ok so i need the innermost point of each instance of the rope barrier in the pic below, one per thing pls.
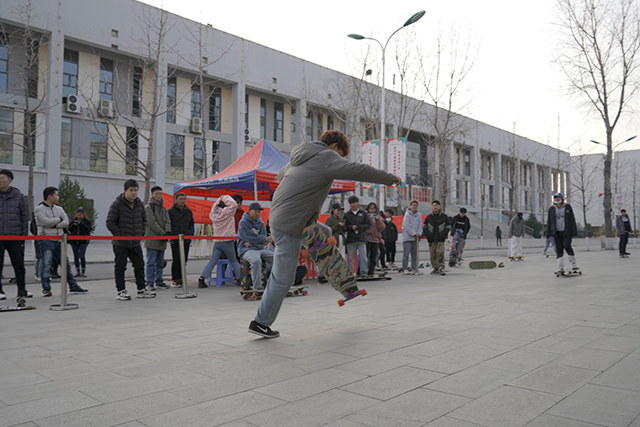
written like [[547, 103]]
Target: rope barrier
[[74, 237]]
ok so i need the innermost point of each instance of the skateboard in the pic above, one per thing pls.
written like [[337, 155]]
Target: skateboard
[[381, 276], [256, 294], [624, 256], [516, 258], [568, 273], [22, 305], [481, 265], [323, 251]]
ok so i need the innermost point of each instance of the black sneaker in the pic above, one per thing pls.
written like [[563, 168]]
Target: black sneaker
[[201, 283], [162, 285], [77, 290], [263, 331], [441, 271], [46, 292]]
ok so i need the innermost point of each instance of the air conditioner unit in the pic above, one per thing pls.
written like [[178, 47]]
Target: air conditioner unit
[[196, 125], [105, 108], [72, 105]]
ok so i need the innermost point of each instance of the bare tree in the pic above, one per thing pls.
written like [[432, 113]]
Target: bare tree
[[26, 55], [583, 181], [444, 75], [598, 54]]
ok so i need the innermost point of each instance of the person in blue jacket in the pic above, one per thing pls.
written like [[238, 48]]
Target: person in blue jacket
[[252, 240]]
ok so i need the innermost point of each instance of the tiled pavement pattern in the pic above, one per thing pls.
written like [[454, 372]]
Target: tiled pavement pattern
[[506, 347]]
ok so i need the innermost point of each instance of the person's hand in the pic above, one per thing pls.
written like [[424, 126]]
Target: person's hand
[[417, 235], [341, 224], [247, 244], [269, 239], [398, 181], [354, 227]]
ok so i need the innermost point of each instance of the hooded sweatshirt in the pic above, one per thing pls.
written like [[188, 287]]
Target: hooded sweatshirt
[[223, 218], [411, 225], [250, 231], [305, 183]]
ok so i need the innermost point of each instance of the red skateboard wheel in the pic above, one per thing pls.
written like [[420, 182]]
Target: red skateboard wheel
[[363, 292], [332, 241], [305, 293], [340, 302]]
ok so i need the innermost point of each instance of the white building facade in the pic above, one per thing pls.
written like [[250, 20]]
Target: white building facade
[[100, 92]]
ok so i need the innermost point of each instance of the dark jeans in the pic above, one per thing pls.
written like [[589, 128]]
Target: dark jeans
[[372, 250], [16, 254], [79, 250], [563, 243], [622, 246], [383, 253], [176, 269], [51, 251], [135, 255], [390, 248], [498, 241]]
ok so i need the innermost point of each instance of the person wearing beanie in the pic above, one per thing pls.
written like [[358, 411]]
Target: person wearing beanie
[[561, 223]]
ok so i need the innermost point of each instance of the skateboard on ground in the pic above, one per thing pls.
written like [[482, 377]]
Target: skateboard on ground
[[568, 273], [379, 276], [324, 252], [22, 305], [481, 265], [516, 258], [256, 294]]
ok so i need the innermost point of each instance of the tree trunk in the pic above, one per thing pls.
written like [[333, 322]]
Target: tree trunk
[[608, 226]]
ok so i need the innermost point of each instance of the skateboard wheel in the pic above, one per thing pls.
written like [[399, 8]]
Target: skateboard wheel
[[254, 297], [245, 297], [332, 241], [341, 302], [363, 292], [305, 253], [305, 293]]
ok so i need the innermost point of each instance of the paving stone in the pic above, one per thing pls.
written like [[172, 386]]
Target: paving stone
[[474, 381], [520, 360], [556, 379], [546, 420], [392, 383], [590, 358], [459, 358], [450, 422], [624, 374]]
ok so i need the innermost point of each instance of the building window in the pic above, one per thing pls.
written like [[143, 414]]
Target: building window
[[278, 125], [4, 60], [215, 146], [293, 125], [32, 59], [246, 111], [196, 98], [329, 122], [6, 136], [171, 100], [132, 151], [106, 79], [137, 92], [263, 118], [215, 109], [65, 144], [467, 162], [98, 151], [492, 200], [198, 157], [309, 127], [70, 73], [29, 138], [177, 151]]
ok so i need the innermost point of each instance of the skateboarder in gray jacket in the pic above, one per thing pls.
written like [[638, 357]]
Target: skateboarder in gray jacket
[[297, 202]]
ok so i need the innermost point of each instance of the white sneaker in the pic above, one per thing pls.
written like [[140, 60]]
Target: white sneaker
[[146, 294], [2, 296], [123, 295]]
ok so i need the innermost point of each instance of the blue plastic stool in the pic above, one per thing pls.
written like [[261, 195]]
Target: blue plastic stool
[[224, 273]]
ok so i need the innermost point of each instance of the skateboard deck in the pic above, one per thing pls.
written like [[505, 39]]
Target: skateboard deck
[[478, 265], [516, 258], [568, 273], [256, 294], [22, 305], [323, 251], [381, 276]]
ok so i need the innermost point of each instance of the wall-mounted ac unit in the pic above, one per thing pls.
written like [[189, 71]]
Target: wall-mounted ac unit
[[196, 125], [105, 108], [72, 105]]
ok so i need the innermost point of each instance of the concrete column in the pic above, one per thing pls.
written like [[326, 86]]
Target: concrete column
[[239, 92], [160, 149], [53, 104]]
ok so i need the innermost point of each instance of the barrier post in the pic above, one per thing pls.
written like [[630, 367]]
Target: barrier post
[[63, 279], [183, 269]]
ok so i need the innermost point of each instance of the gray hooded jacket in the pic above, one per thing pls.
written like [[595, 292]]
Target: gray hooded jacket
[[305, 183]]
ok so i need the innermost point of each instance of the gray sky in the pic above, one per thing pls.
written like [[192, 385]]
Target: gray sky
[[516, 83]]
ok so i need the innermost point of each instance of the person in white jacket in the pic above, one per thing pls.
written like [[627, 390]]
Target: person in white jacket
[[411, 231], [222, 217], [52, 220]]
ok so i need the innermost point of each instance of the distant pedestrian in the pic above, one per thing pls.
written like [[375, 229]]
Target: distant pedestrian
[[390, 238], [158, 224], [411, 232], [549, 240], [80, 226], [373, 237], [498, 236], [181, 223], [561, 222], [127, 217], [436, 230], [516, 233], [623, 226], [460, 227], [52, 220], [14, 212], [357, 223]]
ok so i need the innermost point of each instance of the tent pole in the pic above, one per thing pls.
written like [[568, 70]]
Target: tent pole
[[255, 189]]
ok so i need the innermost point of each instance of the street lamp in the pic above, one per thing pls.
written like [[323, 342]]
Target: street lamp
[[617, 145], [412, 20]]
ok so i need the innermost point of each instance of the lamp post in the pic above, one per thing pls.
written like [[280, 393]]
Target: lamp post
[[607, 189], [413, 19]]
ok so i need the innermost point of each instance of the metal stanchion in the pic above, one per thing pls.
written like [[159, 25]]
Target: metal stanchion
[[63, 279], [183, 268]]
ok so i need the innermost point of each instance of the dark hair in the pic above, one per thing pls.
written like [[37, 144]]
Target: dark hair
[[389, 210], [463, 210], [353, 199], [372, 204], [179, 195], [130, 183], [623, 210], [7, 172], [336, 137], [80, 209], [437, 202], [156, 188], [49, 191], [414, 201], [238, 198]]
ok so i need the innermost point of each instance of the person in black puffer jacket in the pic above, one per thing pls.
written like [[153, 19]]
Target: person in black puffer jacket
[[127, 217], [181, 223], [80, 226], [436, 230]]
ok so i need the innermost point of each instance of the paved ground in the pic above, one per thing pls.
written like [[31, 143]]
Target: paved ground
[[506, 347]]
